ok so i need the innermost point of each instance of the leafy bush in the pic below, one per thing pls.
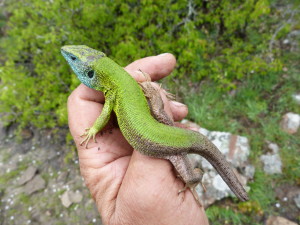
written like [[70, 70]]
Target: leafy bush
[[219, 40]]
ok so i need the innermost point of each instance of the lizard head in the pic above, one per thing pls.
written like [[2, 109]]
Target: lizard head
[[81, 58]]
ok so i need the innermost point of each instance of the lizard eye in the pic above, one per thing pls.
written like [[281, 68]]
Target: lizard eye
[[91, 73], [73, 58]]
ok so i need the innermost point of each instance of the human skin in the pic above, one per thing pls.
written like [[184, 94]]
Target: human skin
[[128, 187]]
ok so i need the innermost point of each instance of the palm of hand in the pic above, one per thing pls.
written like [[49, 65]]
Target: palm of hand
[[130, 188]]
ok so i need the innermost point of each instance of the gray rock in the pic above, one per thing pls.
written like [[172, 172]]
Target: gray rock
[[278, 220], [297, 200], [296, 98], [219, 184], [27, 175], [70, 197], [216, 188], [36, 184], [286, 41], [65, 199], [76, 196], [273, 147], [236, 150], [290, 122], [293, 37], [272, 163], [249, 171]]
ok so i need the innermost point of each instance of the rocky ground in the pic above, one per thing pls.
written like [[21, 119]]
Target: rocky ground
[[38, 185], [41, 184]]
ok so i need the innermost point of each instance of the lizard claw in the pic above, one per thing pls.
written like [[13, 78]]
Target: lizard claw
[[203, 186], [146, 75], [194, 192], [89, 133], [183, 189]]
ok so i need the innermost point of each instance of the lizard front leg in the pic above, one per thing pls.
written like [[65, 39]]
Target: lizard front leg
[[191, 176], [101, 121]]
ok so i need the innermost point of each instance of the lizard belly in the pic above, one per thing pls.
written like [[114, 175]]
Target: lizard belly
[[147, 135]]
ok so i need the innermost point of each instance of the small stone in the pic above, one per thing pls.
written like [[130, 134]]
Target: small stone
[[273, 147], [36, 184], [290, 122], [75, 197], [297, 200], [27, 175], [272, 163], [286, 41], [70, 197], [65, 200], [249, 171], [278, 220], [296, 98]]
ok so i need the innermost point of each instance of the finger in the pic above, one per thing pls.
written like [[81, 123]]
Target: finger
[[150, 183], [152, 176], [176, 110], [179, 110], [83, 109], [156, 66], [87, 94]]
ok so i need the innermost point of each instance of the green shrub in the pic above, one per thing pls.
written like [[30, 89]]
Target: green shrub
[[219, 40]]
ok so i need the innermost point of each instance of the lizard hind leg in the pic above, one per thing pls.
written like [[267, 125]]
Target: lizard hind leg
[[190, 176]]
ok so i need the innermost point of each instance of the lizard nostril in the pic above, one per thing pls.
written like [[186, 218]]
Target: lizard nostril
[[73, 58]]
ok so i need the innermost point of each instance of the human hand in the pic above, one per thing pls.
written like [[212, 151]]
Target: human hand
[[128, 187]]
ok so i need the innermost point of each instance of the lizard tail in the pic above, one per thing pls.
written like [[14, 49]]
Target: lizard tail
[[212, 154]]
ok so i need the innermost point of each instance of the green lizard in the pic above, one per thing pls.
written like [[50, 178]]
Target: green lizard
[[146, 134]]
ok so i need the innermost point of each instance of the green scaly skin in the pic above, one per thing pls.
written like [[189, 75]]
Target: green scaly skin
[[125, 97]]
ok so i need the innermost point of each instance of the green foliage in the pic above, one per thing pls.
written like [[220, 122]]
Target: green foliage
[[225, 216], [220, 40]]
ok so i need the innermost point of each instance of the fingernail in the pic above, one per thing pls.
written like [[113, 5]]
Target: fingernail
[[138, 72], [178, 104], [163, 54]]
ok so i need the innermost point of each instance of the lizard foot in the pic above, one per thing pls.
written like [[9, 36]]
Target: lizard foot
[[146, 75], [89, 133], [192, 187]]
